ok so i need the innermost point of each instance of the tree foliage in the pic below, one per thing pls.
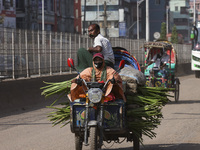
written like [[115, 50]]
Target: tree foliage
[[163, 31], [174, 38]]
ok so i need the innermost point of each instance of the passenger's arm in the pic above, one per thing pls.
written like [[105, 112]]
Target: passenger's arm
[[96, 49], [164, 64], [165, 61], [152, 61], [148, 64]]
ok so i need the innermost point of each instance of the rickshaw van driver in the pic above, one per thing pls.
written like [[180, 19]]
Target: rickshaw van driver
[[98, 73], [101, 45], [160, 60]]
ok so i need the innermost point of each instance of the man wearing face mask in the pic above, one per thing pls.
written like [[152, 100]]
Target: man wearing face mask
[[101, 45], [98, 73]]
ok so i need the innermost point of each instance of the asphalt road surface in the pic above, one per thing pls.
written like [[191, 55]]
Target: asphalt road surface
[[179, 130]]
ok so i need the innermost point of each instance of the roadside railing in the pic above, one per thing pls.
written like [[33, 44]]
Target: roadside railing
[[25, 53]]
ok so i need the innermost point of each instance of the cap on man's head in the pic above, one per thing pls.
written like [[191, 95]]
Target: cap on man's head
[[98, 55]]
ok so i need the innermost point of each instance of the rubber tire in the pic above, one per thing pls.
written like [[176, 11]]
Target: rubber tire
[[197, 74], [177, 90], [78, 142], [93, 138], [136, 143]]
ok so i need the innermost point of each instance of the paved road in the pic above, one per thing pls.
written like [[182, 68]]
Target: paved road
[[179, 130]]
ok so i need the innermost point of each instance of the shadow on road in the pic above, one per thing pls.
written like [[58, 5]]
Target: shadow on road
[[184, 102], [182, 146]]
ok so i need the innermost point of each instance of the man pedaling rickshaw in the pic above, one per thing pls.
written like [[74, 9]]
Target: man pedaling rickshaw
[[160, 60], [98, 73]]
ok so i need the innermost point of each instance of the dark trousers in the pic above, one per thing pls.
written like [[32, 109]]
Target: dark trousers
[[85, 60]]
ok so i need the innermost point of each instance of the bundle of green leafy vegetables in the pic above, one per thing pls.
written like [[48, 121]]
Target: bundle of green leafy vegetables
[[143, 108]]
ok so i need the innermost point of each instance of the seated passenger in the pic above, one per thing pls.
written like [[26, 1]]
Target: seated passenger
[[101, 45], [98, 73], [160, 60]]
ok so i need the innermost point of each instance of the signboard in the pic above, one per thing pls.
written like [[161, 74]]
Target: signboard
[[122, 29], [10, 22], [7, 13]]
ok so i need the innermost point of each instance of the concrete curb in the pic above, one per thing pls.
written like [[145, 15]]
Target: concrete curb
[[22, 93]]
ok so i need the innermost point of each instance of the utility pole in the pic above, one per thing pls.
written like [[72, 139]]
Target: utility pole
[[36, 11], [147, 20], [42, 15], [194, 16], [43, 25], [28, 15], [84, 17], [97, 1], [138, 21], [167, 19], [105, 18]]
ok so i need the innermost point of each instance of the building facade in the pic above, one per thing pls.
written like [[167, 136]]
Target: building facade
[[197, 10], [113, 16], [157, 15], [118, 18], [58, 15], [180, 16]]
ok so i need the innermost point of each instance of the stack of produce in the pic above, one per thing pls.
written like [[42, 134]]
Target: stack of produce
[[144, 110], [143, 107]]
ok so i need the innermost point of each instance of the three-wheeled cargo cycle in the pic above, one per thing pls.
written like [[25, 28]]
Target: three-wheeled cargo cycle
[[94, 120]]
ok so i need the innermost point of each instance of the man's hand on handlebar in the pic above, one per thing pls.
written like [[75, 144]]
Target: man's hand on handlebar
[[77, 81], [113, 80]]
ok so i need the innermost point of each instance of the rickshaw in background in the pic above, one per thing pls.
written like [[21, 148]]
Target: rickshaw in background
[[156, 78]]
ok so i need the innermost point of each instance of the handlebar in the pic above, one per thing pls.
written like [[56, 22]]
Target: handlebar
[[96, 84]]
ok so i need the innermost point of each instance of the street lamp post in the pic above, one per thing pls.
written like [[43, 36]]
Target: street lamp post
[[138, 31], [42, 15], [97, 11], [194, 12], [147, 20], [167, 19], [84, 32], [43, 25]]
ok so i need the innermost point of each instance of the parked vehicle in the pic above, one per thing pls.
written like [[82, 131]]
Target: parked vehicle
[[195, 54], [154, 79]]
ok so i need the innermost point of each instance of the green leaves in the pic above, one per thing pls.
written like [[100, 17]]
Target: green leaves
[[144, 118], [174, 37], [163, 31], [60, 116], [56, 88], [60, 89]]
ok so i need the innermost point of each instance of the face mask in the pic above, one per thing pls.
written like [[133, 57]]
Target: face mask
[[98, 65]]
